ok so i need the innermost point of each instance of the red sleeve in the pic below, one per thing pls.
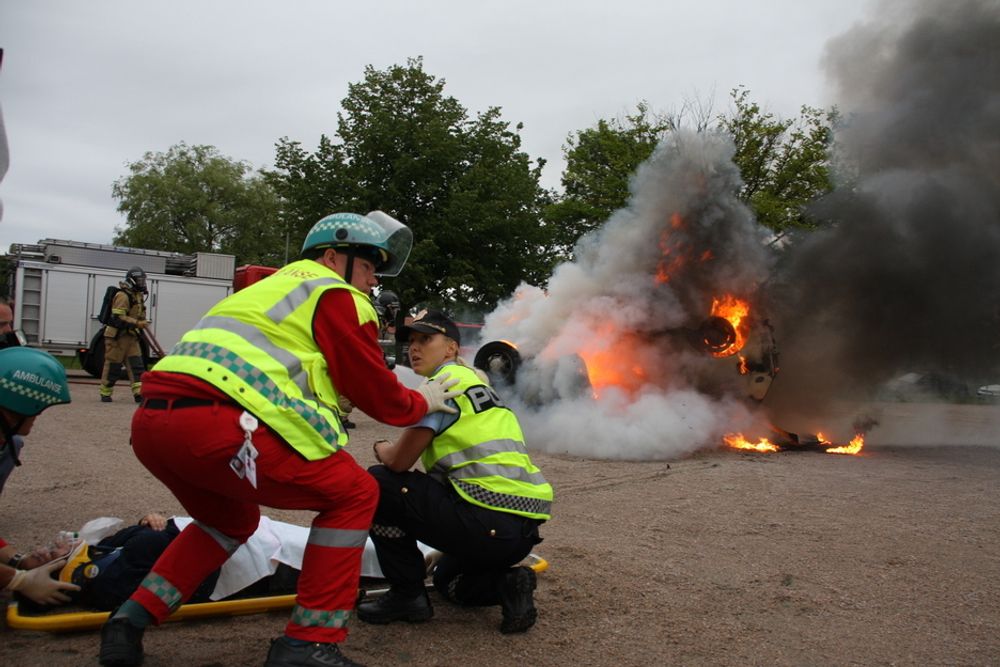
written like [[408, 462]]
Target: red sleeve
[[357, 366], [2, 543]]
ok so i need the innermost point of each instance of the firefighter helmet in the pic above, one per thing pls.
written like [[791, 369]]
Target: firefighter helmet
[[387, 303], [135, 279], [31, 380], [388, 240]]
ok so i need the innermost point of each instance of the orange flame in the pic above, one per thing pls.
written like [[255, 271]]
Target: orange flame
[[853, 447], [673, 258], [611, 362], [735, 311], [743, 368], [737, 441]]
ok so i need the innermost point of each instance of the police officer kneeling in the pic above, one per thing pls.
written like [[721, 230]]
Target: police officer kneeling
[[480, 501]]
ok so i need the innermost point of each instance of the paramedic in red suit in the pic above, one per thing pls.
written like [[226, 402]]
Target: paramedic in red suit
[[243, 412]]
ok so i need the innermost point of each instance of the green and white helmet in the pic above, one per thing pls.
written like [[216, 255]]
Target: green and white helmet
[[31, 380], [389, 240]]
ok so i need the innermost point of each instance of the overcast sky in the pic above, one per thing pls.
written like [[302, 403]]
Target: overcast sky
[[87, 87]]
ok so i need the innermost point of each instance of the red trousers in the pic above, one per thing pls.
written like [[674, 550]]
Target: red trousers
[[189, 449]]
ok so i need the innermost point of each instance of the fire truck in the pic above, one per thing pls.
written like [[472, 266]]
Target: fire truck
[[57, 288]]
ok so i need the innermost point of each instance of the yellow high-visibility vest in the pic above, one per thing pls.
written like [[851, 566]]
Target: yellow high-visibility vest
[[482, 454], [257, 347]]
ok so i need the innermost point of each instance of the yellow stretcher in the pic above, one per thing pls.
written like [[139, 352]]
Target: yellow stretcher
[[72, 621]]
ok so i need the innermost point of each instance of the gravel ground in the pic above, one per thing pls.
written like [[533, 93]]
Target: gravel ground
[[722, 558]]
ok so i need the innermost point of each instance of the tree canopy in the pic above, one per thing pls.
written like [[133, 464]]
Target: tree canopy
[[462, 184], [785, 164], [599, 162], [193, 199]]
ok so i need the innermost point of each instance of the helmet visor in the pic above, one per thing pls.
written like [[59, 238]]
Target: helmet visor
[[398, 242]]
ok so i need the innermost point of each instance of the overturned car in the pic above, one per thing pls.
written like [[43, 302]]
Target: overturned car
[[728, 352]]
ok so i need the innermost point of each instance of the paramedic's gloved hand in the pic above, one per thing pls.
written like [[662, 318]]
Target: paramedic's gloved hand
[[39, 585], [435, 392]]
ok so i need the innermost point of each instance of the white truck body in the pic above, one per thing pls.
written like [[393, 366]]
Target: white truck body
[[56, 305]]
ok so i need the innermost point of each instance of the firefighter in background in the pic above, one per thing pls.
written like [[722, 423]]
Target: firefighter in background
[[243, 412], [387, 305], [480, 501], [30, 382], [121, 335]]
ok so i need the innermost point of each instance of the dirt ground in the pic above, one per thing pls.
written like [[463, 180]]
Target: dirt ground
[[888, 558]]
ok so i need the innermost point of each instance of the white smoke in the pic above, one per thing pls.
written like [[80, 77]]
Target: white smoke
[[654, 425], [610, 291]]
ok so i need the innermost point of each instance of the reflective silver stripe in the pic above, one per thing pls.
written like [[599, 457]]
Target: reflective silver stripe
[[299, 296], [255, 337], [504, 500], [448, 465], [477, 452], [337, 537], [260, 383], [513, 472], [228, 544]]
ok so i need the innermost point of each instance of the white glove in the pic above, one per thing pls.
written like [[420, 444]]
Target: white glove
[[435, 392], [39, 585]]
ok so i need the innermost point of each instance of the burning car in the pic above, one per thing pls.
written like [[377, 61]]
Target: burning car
[[740, 350]]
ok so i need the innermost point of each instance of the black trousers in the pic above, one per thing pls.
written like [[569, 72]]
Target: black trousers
[[479, 544]]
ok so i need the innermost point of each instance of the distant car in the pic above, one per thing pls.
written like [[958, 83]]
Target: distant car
[[917, 386]]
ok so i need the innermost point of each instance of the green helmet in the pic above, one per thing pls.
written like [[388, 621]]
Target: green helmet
[[31, 380], [388, 239]]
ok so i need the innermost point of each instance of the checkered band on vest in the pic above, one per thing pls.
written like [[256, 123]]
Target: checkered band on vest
[[258, 381], [503, 500], [319, 618], [392, 532], [162, 589], [33, 394]]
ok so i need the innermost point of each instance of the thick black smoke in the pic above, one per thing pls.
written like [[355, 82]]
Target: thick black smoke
[[906, 276]]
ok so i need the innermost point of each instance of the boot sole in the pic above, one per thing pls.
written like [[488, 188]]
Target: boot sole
[[522, 619], [519, 624]]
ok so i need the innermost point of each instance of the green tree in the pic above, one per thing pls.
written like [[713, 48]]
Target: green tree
[[192, 199], [785, 163], [599, 162], [463, 184]]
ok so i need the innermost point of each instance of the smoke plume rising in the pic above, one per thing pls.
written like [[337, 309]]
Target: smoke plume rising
[[685, 224], [906, 276]]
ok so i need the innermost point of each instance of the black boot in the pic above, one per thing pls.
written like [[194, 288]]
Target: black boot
[[396, 606], [517, 600], [121, 644], [283, 654]]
